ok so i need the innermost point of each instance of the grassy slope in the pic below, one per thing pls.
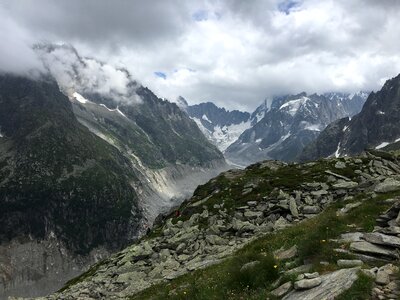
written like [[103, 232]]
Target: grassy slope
[[225, 281]]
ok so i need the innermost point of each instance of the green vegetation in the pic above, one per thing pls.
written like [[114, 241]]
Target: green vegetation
[[360, 290], [313, 239]]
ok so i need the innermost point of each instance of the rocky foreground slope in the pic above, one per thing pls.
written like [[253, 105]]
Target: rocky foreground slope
[[299, 231]]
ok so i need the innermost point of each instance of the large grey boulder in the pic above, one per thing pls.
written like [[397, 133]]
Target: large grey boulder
[[307, 283], [345, 185], [382, 239], [293, 207], [309, 209], [349, 263], [282, 290], [368, 248], [389, 185], [332, 285], [286, 254]]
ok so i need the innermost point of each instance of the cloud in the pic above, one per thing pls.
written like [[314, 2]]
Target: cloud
[[160, 74], [233, 52], [75, 73], [16, 54]]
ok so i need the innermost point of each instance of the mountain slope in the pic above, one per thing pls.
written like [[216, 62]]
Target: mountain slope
[[220, 126], [86, 164], [291, 123], [377, 125], [66, 196], [51, 165]]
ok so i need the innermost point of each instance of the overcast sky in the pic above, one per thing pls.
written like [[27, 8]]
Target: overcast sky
[[234, 53]]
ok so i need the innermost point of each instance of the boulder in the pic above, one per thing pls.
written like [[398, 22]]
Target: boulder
[[340, 165], [389, 185], [345, 185], [252, 214], [305, 284], [213, 239], [382, 239], [311, 275], [293, 207], [311, 209], [382, 277], [349, 263], [282, 290], [249, 265], [286, 254], [368, 248], [347, 208], [351, 237], [319, 193], [280, 223], [332, 285]]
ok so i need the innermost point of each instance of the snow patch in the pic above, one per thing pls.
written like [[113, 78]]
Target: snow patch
[[293, 106], [337, 154], [345, 128], [258, 140], [286, 136], [380, 146], [379, 112], [313, 127], [80, 98], [204, 117], [114, 110], [224, 136]]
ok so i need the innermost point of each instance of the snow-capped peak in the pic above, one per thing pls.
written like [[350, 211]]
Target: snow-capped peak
[[292, 106]]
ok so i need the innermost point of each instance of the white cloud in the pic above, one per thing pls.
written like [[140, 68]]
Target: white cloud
[[235, 53]]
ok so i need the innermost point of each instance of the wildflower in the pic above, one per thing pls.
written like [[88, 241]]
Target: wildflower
[[323, 241], [275, 266]]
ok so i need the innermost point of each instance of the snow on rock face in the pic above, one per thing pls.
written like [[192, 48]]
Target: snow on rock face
[[112, 110], [79, 98], [382, 145], [224, 136], [222, 127], [292, 106], [313, 127], [204, 117]]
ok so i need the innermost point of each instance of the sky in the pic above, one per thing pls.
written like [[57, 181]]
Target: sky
[[234, 53]]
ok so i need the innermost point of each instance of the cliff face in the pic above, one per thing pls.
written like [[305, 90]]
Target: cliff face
[[56, 176]]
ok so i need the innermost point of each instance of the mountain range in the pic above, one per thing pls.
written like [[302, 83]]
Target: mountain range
[[278, 131], [376, 126]]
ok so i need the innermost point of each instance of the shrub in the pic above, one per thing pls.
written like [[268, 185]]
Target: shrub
[[260, 275]]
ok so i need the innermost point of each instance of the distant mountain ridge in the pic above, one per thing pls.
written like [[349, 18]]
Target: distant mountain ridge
[[376, 126], [220, 126], [291, 123]]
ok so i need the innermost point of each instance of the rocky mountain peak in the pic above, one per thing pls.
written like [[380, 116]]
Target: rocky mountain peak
[[291, 123], [376, 126]]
